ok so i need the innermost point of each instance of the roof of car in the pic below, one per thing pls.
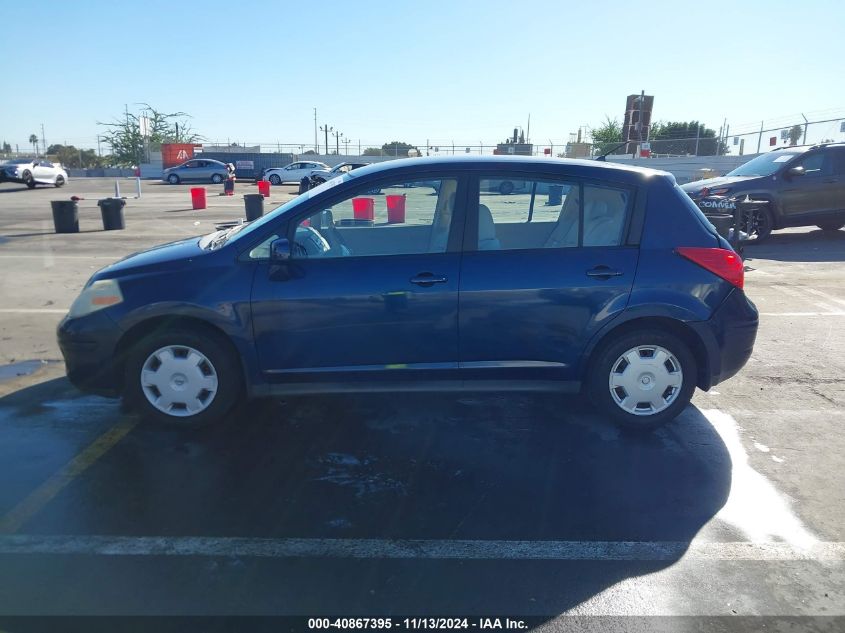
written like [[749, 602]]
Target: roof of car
[[512, 163]]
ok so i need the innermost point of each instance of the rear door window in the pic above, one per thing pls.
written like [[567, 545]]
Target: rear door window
[[550, 213]]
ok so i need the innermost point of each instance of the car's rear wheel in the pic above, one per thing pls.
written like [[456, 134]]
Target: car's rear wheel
[[642, 379], [275, 179], [182, 377], [173, 179], [831, 225], [758, 224], [216, 179], [60, 181]]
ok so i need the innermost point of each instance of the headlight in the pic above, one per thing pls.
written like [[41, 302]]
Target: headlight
[[100, 294]]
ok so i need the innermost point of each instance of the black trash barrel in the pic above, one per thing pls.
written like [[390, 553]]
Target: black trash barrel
[[112, 211], [254, 204], [555, 195], [65, 216], [304, 184]]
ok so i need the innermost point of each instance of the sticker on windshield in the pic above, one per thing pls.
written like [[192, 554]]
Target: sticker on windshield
[[783, 159]]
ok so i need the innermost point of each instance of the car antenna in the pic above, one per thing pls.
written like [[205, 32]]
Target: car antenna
[[603, 157]]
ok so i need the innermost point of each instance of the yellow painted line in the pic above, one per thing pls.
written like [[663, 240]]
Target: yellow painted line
[[41, 496]]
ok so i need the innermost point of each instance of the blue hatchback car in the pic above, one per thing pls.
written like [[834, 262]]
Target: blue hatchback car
[[592, 276]]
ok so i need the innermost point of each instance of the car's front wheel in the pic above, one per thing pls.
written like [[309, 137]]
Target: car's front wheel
[[275, 179], [182, 377], [173, 179], [60, 181], [28, 180], [758, 223], [642, 379]]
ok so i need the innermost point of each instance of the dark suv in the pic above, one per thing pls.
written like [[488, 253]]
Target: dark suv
[[593, 276], [798, 186]]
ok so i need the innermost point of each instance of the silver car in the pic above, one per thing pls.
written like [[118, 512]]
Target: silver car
[[33, 171], [196, 169], [293, 172]]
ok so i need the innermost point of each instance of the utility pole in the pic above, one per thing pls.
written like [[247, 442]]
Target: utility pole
[[337, 134], [326, 129], [43, 140], [316, 149], [806, 123], [697, 135], [727, 134], [760, 136]]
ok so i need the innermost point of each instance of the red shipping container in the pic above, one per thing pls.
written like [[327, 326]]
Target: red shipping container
[[173, 154]]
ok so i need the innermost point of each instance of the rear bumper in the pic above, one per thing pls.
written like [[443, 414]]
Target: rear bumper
[[88, 346], [728, 337]]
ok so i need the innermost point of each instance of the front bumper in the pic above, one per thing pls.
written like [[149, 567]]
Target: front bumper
[[88, 345]]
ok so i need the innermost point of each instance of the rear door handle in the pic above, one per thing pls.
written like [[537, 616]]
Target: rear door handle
[[604, 272], [428, 279]]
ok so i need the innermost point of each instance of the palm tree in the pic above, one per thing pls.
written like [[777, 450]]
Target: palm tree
[[34, 140]]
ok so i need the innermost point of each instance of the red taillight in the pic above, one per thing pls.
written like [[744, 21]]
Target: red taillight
[[719, 261]]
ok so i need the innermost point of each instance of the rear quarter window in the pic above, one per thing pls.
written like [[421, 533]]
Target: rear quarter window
[[687, 202]]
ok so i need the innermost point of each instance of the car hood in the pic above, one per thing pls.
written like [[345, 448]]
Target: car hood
[[171, 256], [712, 183]]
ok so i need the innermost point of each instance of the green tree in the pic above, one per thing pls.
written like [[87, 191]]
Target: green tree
[[33, 139], [607, 136], [373, 151], [396, 148], [795, 133], [7, 149], [129, 147], [679, 138], [70, 156]]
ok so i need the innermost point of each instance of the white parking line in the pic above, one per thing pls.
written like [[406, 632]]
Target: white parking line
[[803, 314], [419, 549], [33, 310]]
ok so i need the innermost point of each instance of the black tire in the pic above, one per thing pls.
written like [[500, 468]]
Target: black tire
[[60, 181], [275, 179], [603, 361], [210, 344], [506, 188], [173, 179], [216, 179], [830, 225], [28, 180], [317, 181], [761, 225]]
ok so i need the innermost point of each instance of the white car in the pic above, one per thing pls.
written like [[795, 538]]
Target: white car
[[33, 171], [293, 172]]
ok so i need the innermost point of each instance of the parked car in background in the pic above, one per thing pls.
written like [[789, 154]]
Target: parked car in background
[[797, 186], [32, 172], [293, 172], [196, 170], [319, 176], [618, 287]]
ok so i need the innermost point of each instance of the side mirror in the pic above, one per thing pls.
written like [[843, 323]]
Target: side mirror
[[280, 250], [795, 171]]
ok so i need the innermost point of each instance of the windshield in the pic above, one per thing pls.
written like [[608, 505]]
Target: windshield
[[764, 165], [20, 161], [274, 215]]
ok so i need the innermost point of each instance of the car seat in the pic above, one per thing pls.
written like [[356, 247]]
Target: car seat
[[487, 240]]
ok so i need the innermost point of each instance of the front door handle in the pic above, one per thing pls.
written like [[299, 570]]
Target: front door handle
[[428, 279], [604, 272]]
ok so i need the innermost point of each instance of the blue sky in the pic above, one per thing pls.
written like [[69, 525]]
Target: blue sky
[[439, 70]]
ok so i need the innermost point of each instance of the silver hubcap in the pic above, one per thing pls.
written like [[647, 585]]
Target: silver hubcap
[[645, 380], [179, 380]]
